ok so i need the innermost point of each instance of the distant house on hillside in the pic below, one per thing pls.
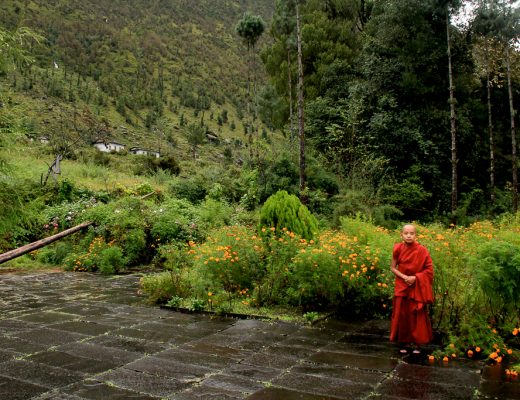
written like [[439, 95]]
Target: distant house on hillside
[[107, 147], [144, 152]]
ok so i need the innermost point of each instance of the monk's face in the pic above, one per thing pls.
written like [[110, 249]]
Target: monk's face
[[408, 234]]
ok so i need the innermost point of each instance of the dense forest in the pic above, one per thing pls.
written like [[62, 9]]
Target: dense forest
[[406, 104], [395, 110]]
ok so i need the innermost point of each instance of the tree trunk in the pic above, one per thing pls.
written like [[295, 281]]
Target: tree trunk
[[454, 161], [490, 130], [249, 119], [513, 132], [301, 132], [289, 84], [41, 243]]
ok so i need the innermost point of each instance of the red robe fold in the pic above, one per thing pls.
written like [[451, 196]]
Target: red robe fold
[[410, 321]]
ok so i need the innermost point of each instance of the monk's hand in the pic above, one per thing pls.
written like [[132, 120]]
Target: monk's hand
[[410, 280]]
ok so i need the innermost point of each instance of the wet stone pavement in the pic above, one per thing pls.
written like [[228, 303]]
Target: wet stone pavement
[[82, 336]]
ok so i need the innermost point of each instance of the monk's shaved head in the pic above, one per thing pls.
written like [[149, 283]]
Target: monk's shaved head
[[407, 227]]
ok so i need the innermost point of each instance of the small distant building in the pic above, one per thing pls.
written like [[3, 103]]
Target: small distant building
[[144, 152], [108, 147]]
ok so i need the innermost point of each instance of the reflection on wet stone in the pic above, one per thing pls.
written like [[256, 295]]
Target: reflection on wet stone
[[71, 336]]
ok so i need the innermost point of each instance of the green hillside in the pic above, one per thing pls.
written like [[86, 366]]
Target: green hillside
[[135, 72]]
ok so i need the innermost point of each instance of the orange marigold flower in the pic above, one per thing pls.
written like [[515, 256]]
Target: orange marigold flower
[[477, 349], [498, 360], [470, 353], [493, 355], [445, 359], [509, 351], [431, 358], [515, 331]]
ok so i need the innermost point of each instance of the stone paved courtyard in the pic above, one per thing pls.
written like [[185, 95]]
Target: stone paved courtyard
[[82, 336]]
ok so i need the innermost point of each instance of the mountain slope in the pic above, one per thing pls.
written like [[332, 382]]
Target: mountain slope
[[127, 69]]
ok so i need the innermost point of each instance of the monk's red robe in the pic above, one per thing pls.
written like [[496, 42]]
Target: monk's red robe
[[410, 320]]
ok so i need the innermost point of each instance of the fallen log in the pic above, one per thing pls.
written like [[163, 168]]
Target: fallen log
[[20, 251]]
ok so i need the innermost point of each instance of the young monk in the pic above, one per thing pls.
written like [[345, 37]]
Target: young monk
[[413, 269]]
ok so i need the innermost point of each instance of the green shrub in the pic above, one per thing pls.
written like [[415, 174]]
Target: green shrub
[[174, 221], [213, 214], [159, 288], [175, 302], [192, 189], [314, 281], [231, 259], [197, 305], [283, 210], [151, 165], [276, 285], [124, 222], [497, 269], [54, 254], [111, 260]]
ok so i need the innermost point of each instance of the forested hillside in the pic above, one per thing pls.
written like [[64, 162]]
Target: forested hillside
[[133, 66]]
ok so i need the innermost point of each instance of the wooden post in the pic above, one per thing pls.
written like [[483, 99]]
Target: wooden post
[[41, 243]]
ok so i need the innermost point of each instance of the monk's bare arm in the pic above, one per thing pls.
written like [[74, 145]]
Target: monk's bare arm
[[410, 280]]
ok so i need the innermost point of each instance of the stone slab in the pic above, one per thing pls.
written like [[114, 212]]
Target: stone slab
[[84, 327], [231, 383], [216, 350], [97, 352], [289, 351], [425, 390], [275, 393], [94, 390], [142, 382], [49, 337], [258, 373], [340, 372], [207, 393], [57, 395], [365, 338], [7, 355], [194, 358], [318, 333], [380, 350], [48, 317], [72, 362], [129, 344], [354, 361], [11, 326], [14, 389], [326, 386], [162, 336], [450, 376], [501, 390], [170, 369], [39, 374], [267, 360], [18, 345]]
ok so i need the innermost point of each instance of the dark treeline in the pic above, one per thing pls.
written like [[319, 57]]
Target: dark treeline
[[378, 100]]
